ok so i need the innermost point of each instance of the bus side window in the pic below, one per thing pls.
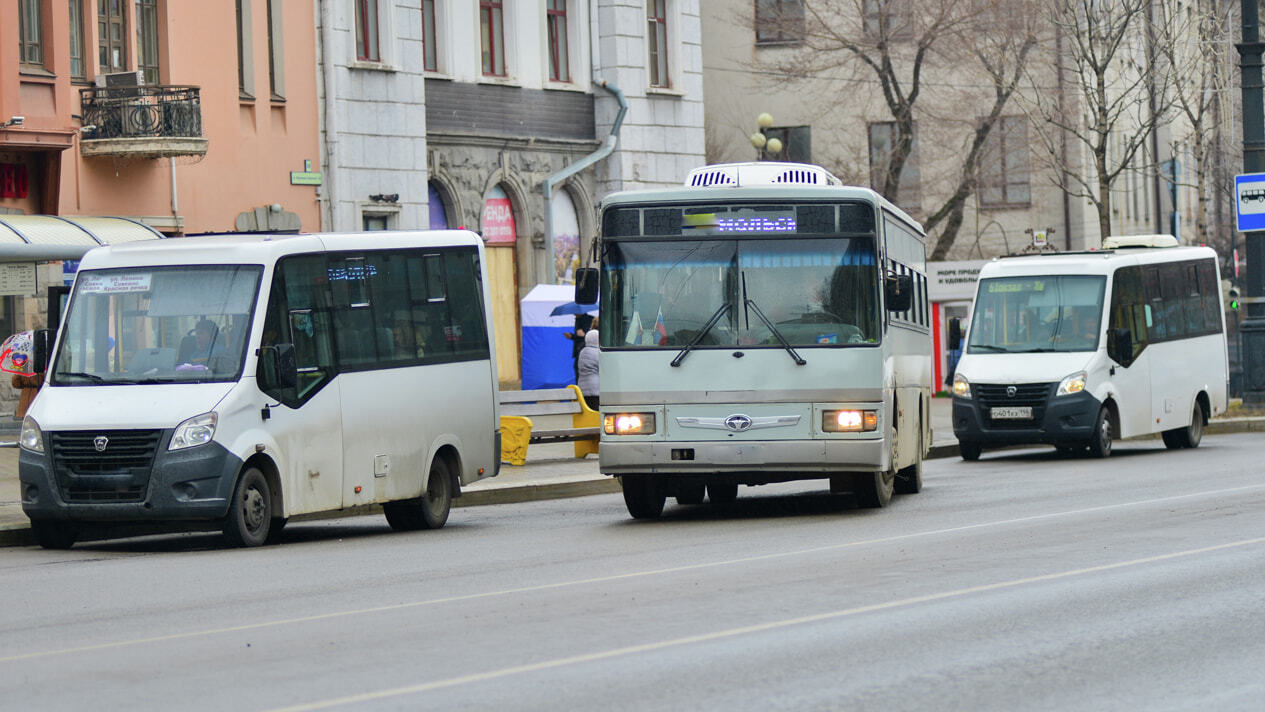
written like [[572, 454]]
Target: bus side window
[[1128, 314]]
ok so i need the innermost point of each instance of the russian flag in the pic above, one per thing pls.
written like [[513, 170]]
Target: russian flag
[[661, 329]]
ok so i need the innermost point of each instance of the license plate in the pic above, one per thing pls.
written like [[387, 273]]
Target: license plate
[[1016, 413]]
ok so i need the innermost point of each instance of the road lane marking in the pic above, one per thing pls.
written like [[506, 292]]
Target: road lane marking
[[745, 630], [609, 578]]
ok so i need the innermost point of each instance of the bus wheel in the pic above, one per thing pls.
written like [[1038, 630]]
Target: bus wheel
[[722, 492], [1188, 436], [909, 479], [250, 512], [430, 511], [874, 489], [691, 493], [1100, 443], [53, 535], [970, 451], [643, 495]]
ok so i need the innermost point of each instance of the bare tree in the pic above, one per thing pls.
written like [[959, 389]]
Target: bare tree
[[1120, 86], [1002, 54], [1191, 39]]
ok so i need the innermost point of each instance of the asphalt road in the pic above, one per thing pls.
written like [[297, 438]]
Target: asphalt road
[[1021, 582]]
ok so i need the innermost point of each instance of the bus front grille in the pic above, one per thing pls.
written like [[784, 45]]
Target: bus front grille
[[103, 465], [1033, 395]]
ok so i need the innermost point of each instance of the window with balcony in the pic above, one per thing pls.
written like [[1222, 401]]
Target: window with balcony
[[111, 36], [657, 42], [779, 21], [492, 32], [430, 44], [1004, 176], [78, 63], [147, 40], [31, 33], [559, 69], [367, 31]]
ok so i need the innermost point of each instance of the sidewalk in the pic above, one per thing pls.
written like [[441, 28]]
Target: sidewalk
[[551, 471]]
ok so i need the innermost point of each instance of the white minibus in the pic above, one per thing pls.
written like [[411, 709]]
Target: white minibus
[[240, 381], [764, 323], [1075, 349]]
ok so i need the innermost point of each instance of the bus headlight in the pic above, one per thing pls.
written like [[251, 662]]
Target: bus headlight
[[849, 421], [1074, 383], [628, 423], [195, 431], [961, 386], [31, 438]]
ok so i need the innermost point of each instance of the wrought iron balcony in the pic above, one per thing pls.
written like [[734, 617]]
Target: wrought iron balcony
[[142, 121]]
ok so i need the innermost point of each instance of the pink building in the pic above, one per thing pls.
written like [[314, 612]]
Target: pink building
[[185, 115]]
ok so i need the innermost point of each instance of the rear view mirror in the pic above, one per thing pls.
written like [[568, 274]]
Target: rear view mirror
[[899, 292], [278, 368], [955, 334], [586, 285], [41, 349], [1120, 346]]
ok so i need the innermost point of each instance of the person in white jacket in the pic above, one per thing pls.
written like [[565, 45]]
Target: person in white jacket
[[586, 368]]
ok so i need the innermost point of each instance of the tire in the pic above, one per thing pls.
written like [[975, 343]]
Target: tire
[[1189, 436], [691, 493], [430, 511], [54, 535], [643, 495], [249, 519], [909, 479], [970, 451], [722, 492], [1100, 442], [874, 489]]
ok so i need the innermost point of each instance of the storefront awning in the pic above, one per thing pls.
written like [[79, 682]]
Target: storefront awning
[[42, 238]]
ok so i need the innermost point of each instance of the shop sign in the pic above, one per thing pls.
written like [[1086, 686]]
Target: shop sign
[[498, 222]]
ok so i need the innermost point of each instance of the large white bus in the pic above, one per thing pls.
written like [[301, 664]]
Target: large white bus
[[762, 324], [1076, 349], [240, 381]]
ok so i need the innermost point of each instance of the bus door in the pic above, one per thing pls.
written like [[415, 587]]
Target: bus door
[[1127, 341]]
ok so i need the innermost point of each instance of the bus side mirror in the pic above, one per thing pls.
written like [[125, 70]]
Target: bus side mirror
[[41, 349], [1120, 346], [586, 285], [278, 368], [899, 292], [955, 334]]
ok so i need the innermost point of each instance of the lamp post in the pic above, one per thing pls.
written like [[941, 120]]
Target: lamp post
[[762, 143]]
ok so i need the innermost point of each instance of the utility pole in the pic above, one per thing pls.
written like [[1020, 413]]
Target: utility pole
[[1252, 329]]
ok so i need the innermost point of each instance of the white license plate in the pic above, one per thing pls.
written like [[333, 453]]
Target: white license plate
[[1016, 413]]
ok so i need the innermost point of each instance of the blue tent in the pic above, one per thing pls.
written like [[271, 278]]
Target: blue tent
[[547, 359]]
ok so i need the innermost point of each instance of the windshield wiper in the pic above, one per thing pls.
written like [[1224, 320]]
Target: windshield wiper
[[79, 374], [990, 347], [799, 360], [720, 311]]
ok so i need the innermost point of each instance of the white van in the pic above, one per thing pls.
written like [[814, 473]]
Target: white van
[[244, 380], [1076, 349]]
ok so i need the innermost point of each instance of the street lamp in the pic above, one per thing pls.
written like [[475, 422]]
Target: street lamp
[[762, 143]]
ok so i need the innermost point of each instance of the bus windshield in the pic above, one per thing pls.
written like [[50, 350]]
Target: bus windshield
[[157, 325], [810, 291], [1037, 314]]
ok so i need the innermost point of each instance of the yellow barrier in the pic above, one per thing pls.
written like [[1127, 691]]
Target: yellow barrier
[[516, 432], [586, 418]]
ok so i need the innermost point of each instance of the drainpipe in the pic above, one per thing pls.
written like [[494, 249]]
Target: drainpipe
[[175, 202], [328, 110], [546, 188]]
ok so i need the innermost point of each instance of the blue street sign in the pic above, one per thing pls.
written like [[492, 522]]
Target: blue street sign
[[1249, 206]]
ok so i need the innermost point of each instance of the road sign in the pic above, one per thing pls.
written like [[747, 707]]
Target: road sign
[[1249, 207]]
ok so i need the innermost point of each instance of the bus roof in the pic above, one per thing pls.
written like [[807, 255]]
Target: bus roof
[[262, 248], [1090, 262]]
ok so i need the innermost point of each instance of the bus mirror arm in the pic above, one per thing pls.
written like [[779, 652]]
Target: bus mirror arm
[[277, 368], [41, 347]]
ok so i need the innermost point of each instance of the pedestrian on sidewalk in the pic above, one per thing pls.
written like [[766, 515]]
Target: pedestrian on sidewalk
[[586, 368]]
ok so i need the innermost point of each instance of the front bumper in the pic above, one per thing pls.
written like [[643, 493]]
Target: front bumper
[[812, 458], [184, 485], [1058, 420]]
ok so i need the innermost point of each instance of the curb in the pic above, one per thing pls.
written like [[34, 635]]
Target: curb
[[19, 534]]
